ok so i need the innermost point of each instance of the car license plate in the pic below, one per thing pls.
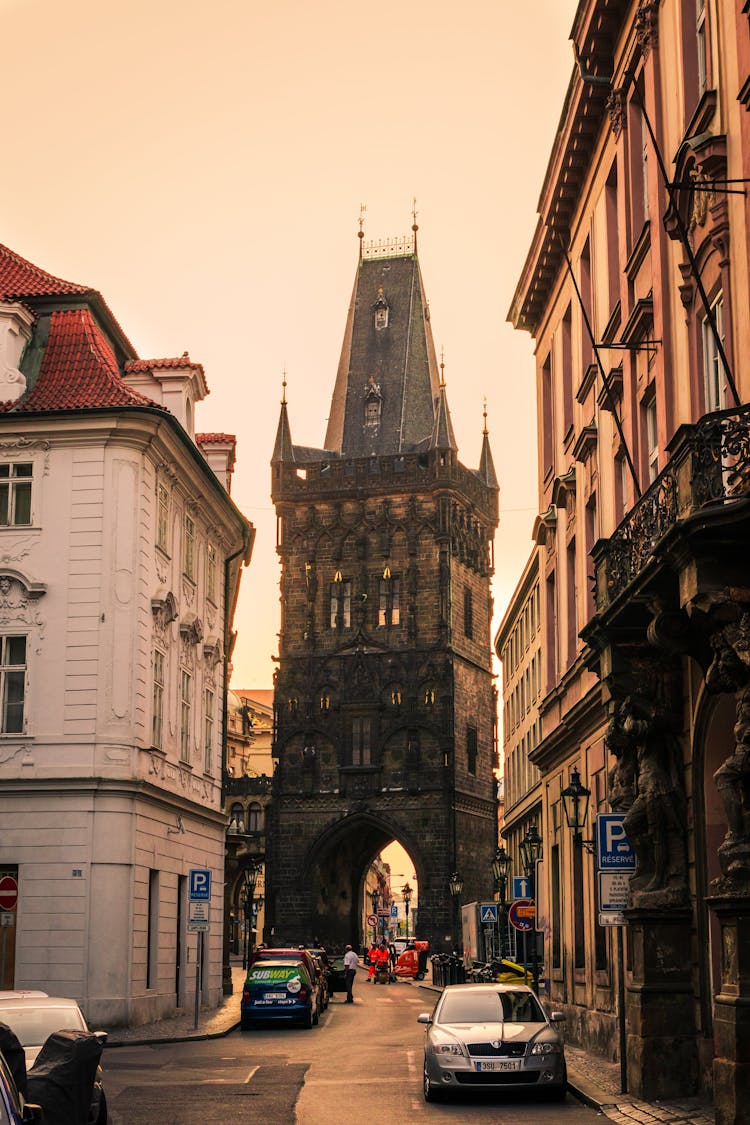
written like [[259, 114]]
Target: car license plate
[[276, 996], [500, 1064]]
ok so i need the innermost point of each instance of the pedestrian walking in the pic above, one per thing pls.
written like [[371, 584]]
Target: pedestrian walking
[[351, 960]]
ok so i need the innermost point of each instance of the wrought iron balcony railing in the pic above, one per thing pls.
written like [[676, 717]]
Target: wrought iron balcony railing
[[709, 466]]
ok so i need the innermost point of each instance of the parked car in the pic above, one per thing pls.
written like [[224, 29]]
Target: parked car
[[34, 1016], [312, 965], [323, 967], [492, 1037], [279, 990], [14, 1109], [337, 974]]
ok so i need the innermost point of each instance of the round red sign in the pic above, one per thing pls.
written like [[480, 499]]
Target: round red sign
[[8, 893], [521, 914]]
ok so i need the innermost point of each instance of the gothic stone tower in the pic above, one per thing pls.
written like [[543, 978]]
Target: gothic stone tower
[[385, 706]]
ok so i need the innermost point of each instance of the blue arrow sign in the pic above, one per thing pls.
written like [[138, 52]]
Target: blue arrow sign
[[488, 912], [521, 887]]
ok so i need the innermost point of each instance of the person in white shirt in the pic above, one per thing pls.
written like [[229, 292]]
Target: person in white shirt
[[351, 960]]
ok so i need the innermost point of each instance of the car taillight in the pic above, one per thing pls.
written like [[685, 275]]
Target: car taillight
[[304, 995], [245, 995]]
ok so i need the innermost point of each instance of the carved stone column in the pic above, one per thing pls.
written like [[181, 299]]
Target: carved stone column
[[646, 783]]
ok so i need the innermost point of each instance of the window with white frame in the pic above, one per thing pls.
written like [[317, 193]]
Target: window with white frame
[[713, 368], [186, 696], [211, 573], [700, 36], [12, 683], [652, 439], [15, 494], [162, 517], [208, 731], [157, 708], [188, 547]]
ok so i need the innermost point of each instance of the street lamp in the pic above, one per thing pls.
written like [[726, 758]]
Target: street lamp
[[249, 879], [406, 893], [575, 799], [531, 850], [500, 867], [455, 885]]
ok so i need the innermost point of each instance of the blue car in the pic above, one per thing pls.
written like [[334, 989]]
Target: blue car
[[278, 990], [13, 1109]]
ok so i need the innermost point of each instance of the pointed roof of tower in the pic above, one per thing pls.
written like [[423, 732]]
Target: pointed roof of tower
[[486, 470], [283, 449], [442, 435], [387, 387]]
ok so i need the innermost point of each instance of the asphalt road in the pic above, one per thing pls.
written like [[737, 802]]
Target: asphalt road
[[362, 1064]]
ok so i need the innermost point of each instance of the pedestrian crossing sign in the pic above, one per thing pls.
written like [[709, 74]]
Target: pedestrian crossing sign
[[488, 912]]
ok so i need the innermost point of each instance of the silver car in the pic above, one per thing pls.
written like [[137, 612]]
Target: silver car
[[492, 1037]]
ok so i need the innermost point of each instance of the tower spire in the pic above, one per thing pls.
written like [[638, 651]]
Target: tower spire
[[486, 471], [443, 437], [361, 231], [283, 450]]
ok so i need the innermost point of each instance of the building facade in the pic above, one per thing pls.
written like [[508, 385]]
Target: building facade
[[119, 569], [384, 706], [636, 292]]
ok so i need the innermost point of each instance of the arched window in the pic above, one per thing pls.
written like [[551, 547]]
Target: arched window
[[255, 817], [237, 815]]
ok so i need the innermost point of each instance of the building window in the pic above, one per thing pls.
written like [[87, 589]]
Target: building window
[[645, 141], [186, 689], [157, 709], [254, 817], [237, 816], [361, 754], [12, 683], [152, 935], [556, 919], [468, 613], [713, 381], [208, 730], [211, 573], [188, 530], [471, 749], [652, 439], [700, 38], [579, 933], [388, 607], [15, 494], [162, 518], [341, 605]]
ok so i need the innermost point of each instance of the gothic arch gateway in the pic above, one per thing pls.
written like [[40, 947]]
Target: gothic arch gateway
[[385, 710]]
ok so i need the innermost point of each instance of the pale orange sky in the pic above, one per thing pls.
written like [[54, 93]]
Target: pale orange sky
[[202, 165]]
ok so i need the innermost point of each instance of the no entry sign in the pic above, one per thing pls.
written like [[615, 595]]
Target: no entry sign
[[8, 893]]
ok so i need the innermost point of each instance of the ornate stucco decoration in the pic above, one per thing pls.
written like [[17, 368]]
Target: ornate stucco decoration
[[617, 110], [191, 629], [13, 446], [15, 331], [647, 25], [164, 609]]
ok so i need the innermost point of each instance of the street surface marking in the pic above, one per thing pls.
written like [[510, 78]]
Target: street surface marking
[[250, 1073]]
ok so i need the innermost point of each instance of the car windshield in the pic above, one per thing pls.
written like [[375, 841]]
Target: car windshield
[[34, 1025], [490, 1007], [275, 974]]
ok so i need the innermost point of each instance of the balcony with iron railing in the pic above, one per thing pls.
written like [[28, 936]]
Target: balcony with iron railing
[[708, 471]]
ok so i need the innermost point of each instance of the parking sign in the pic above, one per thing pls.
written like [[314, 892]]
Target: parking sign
[[200, 885], [613, 849]]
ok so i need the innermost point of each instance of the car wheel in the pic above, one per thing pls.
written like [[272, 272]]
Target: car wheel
[[430, 1091], [309, 1020], [420, 976], [557, 1093], [245, 1025], [316, 1018]]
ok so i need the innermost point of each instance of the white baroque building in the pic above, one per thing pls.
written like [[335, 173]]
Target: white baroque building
[[120, 557]]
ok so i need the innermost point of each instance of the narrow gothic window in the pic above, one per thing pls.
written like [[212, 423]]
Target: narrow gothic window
[[341, 605], [468, 614], [471, 749], [361, 742], [372, 412], [389, 612]]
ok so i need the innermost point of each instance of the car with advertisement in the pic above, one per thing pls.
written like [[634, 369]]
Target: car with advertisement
[[311, 963], [279, 991]]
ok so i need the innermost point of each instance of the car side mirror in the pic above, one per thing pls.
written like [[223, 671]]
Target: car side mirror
[[557, 1017], [32, 1113], [101, 1036], [424, 1017]]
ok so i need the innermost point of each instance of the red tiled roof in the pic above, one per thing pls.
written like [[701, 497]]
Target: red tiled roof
[[215, 439], [19, 278], [79, 369], [137, 365]]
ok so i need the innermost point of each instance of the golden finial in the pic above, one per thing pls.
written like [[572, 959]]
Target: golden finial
[[361, 231], [484, 413], [283, 387], [414, 227], [442, 367]]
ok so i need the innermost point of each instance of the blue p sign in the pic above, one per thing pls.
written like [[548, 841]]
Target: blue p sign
[[613, 849], [200, 885]]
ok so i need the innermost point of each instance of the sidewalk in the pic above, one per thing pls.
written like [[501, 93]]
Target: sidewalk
[[596, 1082]]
